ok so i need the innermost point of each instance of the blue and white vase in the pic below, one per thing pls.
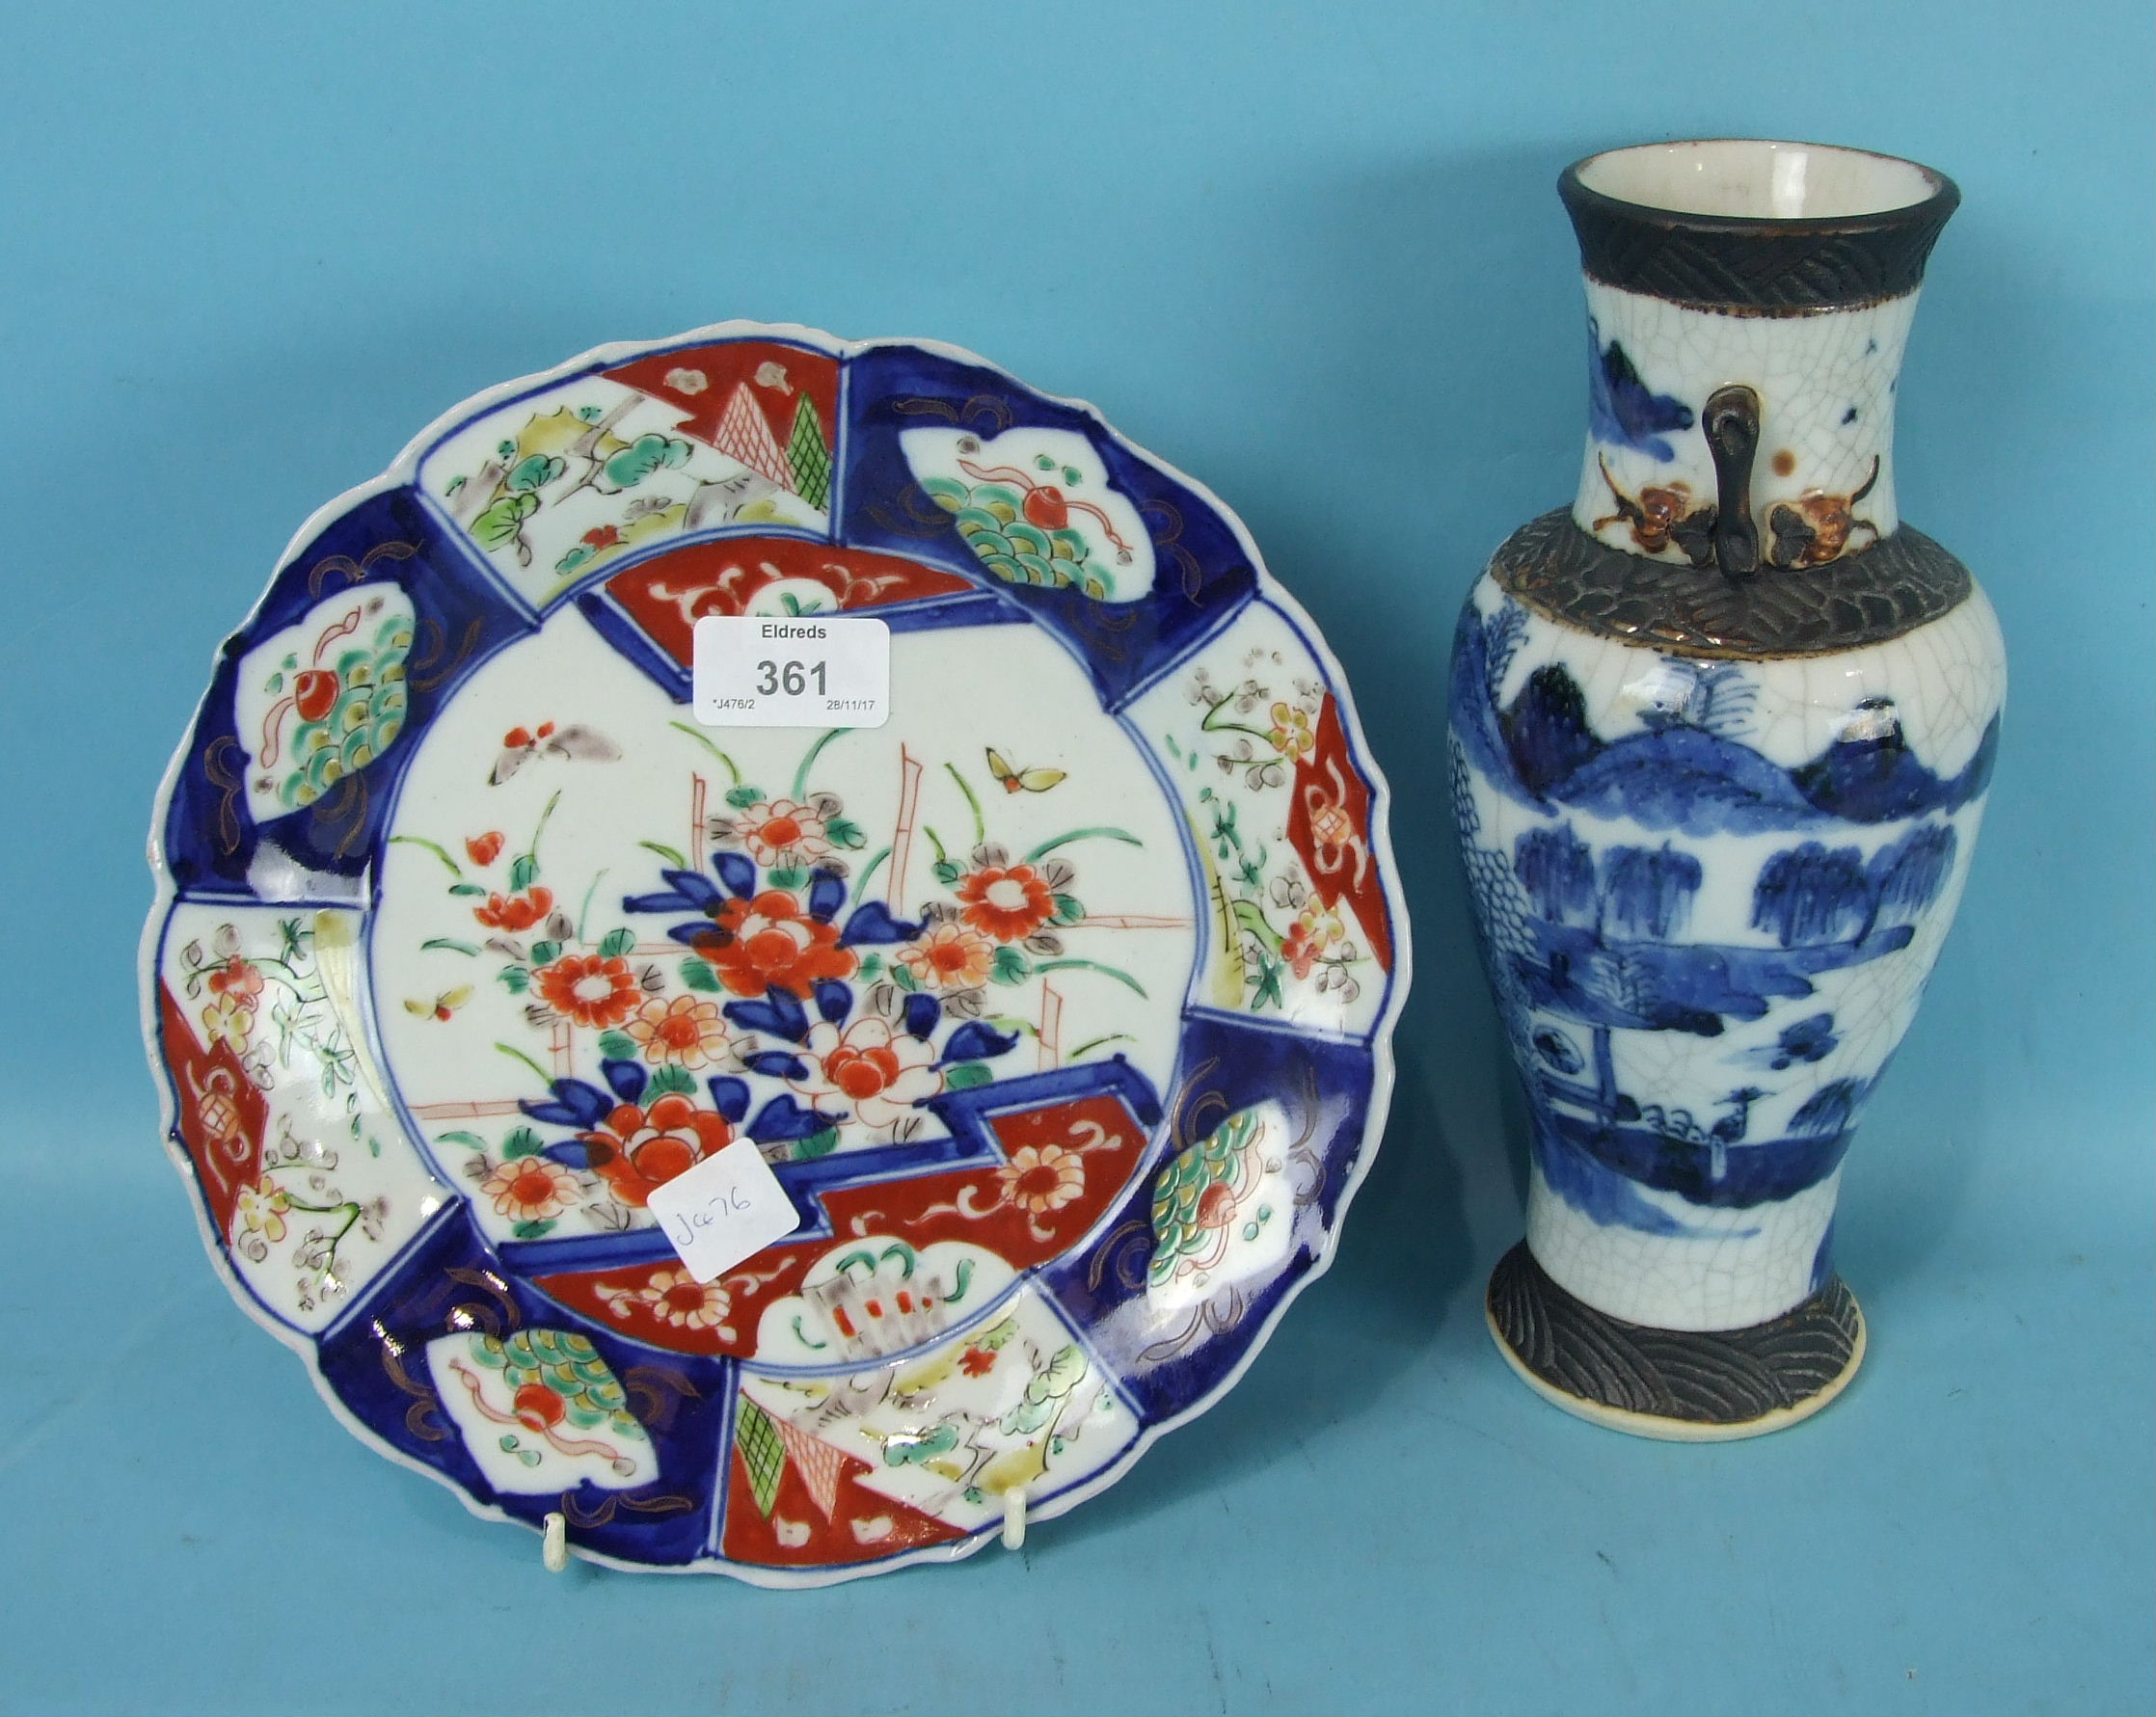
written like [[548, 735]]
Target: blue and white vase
[[1721, 735]]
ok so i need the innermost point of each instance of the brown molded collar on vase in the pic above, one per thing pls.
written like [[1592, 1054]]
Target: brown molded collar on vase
[[1756, 265]]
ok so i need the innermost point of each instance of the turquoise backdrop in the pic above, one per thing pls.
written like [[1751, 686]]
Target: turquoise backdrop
[[1313, 254]]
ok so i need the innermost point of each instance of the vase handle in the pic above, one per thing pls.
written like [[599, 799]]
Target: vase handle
[[1731, 426]]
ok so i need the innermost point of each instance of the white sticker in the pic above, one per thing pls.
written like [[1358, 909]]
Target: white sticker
[[769, 671], [729, 1207]]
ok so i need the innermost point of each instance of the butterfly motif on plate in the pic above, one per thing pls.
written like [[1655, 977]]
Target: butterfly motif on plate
[[1021, 780], [521, 744]]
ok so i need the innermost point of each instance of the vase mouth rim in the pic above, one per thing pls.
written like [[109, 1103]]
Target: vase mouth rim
[[1752, 226], [1758, 184]]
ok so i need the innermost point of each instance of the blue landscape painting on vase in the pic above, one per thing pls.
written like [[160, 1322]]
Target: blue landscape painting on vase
[[1583, 941]]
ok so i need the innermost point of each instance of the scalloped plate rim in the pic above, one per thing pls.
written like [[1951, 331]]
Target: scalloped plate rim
[[402, 472]]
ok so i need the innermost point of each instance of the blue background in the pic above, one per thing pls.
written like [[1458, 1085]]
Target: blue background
[[1312, 254]]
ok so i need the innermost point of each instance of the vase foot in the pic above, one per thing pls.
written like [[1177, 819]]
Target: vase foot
[[1681, 1385]]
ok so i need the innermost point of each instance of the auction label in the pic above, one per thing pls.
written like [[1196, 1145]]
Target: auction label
[[758, 671], [727, 1208]]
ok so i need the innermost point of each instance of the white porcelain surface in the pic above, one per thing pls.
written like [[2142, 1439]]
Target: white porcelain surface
[[1058, 1004]]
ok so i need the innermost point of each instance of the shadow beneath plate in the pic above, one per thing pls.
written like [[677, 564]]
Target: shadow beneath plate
[[1440, 407], [1403, 1257]]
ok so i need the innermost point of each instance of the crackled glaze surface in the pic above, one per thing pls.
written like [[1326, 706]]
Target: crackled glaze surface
[[1711, 892], [1717, 834], [1827, 382], [1059, 1003]]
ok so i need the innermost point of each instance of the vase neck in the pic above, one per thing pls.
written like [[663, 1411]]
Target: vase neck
[[1748, 304], [1760, 443]]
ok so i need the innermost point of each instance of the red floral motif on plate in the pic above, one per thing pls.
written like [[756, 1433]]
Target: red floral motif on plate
[[221, 1116], [668, 596], [702, 380], [1062, 1166], [1329, 826], [863, 1526]]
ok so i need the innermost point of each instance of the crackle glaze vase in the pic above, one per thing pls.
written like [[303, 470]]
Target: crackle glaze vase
[[1058, 1004], [1721, 731]]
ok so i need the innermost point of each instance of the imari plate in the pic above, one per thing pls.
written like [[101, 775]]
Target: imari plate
[[1059, 1003]]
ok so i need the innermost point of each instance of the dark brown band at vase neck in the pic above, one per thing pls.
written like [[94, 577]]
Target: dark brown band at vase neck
[[1879, 593], [1738, 254]]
